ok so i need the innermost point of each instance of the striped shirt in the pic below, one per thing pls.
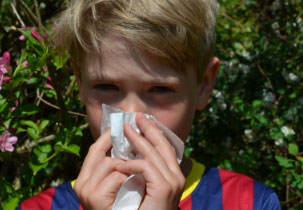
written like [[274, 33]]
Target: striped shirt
[[206, 189]]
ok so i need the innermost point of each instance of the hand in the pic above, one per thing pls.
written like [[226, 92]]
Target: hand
[[98, 181], [164, 179]]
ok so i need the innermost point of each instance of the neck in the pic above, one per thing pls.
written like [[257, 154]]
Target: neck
[[186, 166]]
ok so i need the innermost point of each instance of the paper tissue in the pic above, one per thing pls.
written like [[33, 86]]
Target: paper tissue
[[132, 191]]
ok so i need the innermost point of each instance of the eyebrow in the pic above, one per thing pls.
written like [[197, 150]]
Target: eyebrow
[[156, 81], [120, 79]]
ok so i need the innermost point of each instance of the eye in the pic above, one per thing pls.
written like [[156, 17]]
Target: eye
[[161, 89], [106, 87]]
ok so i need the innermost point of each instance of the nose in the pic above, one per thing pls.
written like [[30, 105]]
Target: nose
[[133, 103]]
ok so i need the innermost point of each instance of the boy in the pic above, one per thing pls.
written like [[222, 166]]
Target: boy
[[154, 57]]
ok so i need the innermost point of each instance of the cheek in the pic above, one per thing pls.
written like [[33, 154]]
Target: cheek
[[94, 114], [179, 120]]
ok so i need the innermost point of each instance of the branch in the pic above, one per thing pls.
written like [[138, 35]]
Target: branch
[[58, 108], [17, 14], [233, 20], [291, 200], [38, 16], [56, 85], [28, 146], [29, 11], [287, 188], [39, 96], [270, 85], [70, 88], [294, 58]]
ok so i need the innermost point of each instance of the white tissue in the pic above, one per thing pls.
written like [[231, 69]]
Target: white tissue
[[132, 191]]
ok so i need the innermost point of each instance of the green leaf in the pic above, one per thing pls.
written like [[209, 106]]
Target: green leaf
[[293, 149], [6, 186], [32, 133], [59, 61], [45, 148], [43, 125], [72, 148], [11, 203], [261, 119], [30, 124], [275, 133], [20, 130], [26, 110], [3, 106], [257, 104], [42, 151], [293, 95], [284, 162], [32, 42], [36, 168], [187, 151]]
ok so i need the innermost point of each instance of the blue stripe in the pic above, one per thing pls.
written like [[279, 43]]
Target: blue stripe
[[265, 197], [208, 194], [65, 198]]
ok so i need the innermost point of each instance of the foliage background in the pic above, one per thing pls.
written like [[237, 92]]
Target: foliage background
[[253, 124]]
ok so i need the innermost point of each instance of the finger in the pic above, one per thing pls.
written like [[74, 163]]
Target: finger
[[150, 173], [112, 183], [96, 152], [102, 170], [148, 152], [156, 138], [102, 196]]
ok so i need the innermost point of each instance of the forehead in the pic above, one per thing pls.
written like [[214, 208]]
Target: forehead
[[120, 59]]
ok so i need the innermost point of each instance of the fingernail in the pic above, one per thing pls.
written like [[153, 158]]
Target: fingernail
[[129, 127], [141, 115]]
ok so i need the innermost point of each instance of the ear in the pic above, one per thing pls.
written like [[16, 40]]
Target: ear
[[208, 82], [78, 79]]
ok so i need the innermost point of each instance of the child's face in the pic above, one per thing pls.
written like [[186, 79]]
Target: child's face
[[129, 79]]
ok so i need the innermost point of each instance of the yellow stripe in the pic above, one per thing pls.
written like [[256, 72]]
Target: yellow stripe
[[73, 183], [193, 179]]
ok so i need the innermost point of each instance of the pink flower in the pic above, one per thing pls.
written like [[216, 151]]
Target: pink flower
[[36, 35], [7, 79], [49, 86], [14, 108], [4, 66], [49, 80], [22, 37], [25, 64], [7, 141]]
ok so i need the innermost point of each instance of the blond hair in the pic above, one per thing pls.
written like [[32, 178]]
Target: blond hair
[[179, 31]]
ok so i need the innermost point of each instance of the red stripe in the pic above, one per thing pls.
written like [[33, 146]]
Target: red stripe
[[40, 201], [80, 207], [186, 204], [237, 191]]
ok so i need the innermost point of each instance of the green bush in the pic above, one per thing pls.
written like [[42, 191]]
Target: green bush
[[253, 124]]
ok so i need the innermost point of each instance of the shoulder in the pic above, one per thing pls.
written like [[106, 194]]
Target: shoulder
[[61, 197], [231, 190], [241, 188]]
